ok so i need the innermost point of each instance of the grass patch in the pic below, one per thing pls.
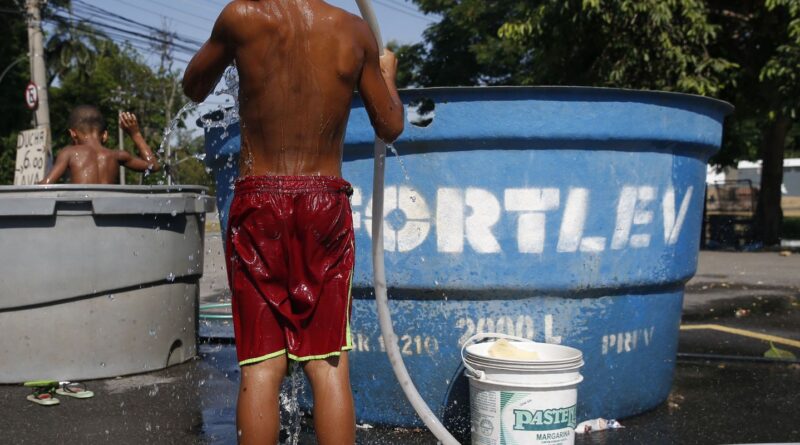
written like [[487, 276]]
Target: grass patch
[[791, 228]]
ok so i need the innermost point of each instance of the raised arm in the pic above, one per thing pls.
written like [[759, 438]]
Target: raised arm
[[377, 89], [59, 167], [128, 122], [132, 162], [208, 65]]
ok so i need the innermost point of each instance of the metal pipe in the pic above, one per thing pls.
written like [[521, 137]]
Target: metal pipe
[[379, 273], [121, 137]]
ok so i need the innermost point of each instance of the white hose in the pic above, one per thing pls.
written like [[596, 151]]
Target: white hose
[[379, 273]]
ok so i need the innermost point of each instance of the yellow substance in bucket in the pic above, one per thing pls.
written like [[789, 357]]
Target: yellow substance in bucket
[[505, 350]]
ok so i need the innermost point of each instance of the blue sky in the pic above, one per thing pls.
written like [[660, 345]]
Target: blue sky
[[400, 20]]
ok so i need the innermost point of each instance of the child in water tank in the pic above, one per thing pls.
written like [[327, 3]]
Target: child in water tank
[[290, 235], [88, 161]]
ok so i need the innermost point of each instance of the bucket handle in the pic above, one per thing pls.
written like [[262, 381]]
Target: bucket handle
[[480, 375]]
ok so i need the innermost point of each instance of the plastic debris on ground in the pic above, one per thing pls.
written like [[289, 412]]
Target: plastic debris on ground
[[598, 424]]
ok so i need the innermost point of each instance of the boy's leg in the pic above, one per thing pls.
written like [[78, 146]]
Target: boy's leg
[[258, 411], [334, 416]]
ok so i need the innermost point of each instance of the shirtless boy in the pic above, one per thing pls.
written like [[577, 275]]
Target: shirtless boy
[[290, 238], [88, 161]]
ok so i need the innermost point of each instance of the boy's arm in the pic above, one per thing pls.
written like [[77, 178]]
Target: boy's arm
[[377, 88], [59, 167], [132, 162], [208, 65], [129, 123]]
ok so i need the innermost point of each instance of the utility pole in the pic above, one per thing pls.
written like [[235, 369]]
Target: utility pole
[[38, 70], [121, 137]]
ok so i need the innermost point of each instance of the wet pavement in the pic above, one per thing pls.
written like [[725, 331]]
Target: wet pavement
[[724, 389]]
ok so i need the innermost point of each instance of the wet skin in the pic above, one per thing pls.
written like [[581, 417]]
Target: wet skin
[[89, 162], [299, 62]]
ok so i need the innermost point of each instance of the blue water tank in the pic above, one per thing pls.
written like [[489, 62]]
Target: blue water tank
[[564, 215]]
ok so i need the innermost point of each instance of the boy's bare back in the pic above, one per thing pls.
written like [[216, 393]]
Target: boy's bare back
[[88, 161], [93, 165], [299, 62]]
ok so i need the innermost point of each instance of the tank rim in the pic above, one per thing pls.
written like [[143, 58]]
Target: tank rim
[[724, 106], [105, 188]]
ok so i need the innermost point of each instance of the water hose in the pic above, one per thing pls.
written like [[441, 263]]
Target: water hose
[[379, 273]]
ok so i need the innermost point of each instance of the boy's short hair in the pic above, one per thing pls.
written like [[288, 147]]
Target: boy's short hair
[[87, 118]]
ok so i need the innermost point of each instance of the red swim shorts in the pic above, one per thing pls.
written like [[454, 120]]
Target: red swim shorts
[[290, 256]]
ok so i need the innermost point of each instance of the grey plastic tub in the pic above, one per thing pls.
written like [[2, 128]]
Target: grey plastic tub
[[98, 281]]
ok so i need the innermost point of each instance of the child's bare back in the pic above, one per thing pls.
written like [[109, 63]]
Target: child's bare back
[[88, 161], [93, 165], [299, 62]]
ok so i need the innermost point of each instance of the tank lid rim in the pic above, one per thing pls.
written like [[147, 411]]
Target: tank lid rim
[[105, 188], [726, 107]]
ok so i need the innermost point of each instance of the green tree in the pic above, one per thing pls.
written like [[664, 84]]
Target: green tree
[[86, 67], [655, 44], [763, 38], [746, 52], [15, 71]]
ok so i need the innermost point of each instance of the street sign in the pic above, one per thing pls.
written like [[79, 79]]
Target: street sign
[[32, 96], [31, 157]]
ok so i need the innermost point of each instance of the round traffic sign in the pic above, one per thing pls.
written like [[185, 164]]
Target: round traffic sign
[[32, 96]]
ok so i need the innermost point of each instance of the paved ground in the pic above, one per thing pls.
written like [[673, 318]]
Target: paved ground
[[724, 391]]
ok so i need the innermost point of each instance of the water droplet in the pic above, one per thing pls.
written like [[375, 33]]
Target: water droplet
[[152, 332], [174, 213], [102, 364], [171, 277], [148, 427], [111, 297]]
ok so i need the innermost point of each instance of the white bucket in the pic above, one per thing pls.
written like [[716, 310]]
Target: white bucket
[[522, 402]]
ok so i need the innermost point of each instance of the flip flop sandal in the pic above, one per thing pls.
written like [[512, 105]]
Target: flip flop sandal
[[43, 396], [74, 389]]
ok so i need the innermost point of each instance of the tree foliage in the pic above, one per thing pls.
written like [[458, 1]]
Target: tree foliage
[[747, 52], [85, 67], [654, 44]]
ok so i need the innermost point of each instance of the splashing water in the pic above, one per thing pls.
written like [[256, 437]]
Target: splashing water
[[290, 403], [400, 161], [230, 115], [173, 124]]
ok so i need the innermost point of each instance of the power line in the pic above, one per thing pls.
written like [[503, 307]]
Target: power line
[[403, 5], [162, 5], [403, 11], [105, 14], [122, 40], [149, 38], [150, 11], [215, 8]]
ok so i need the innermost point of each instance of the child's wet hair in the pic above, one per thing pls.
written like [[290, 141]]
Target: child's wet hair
[[87, 119]]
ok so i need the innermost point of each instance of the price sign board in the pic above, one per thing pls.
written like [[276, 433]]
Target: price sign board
[[32, 96], [32, 157]]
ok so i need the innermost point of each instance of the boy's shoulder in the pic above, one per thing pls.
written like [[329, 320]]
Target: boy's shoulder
[[239, 12]]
